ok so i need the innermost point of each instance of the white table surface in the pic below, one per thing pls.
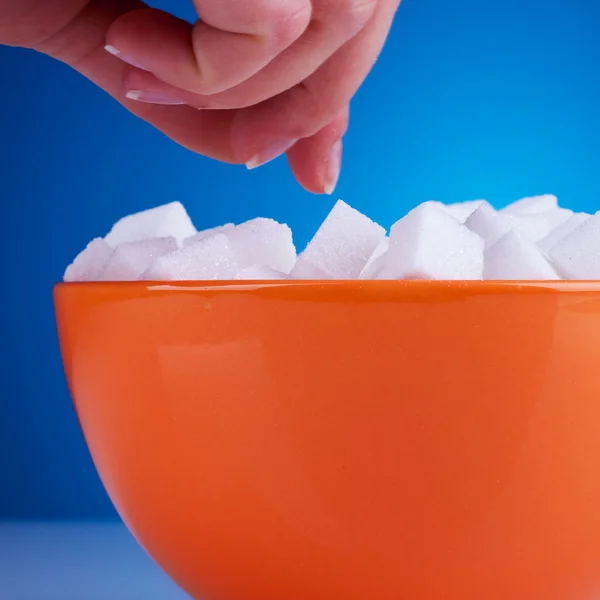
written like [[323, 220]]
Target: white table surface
[[78, 561]]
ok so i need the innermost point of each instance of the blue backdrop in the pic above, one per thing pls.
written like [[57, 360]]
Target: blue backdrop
[[470, 99]]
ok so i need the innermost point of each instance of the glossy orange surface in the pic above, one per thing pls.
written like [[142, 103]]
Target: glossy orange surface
[[348, 440]]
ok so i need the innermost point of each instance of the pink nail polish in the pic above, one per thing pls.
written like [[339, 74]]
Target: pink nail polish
[[271, 152], [115, 52], [152, 98], [333, 165]]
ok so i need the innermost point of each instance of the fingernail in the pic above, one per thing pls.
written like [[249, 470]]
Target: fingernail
[[152, 98], [115, 52], [333, 164], [271, 152]]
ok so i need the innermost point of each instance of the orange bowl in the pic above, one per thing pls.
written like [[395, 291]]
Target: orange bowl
[[347, 440]]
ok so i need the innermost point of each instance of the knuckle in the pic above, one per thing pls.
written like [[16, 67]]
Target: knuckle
[[288, 20], [359, 13], [350, 16]]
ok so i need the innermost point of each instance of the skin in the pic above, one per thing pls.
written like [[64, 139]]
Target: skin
[[249, 81]]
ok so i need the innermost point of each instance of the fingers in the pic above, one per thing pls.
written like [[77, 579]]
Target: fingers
[[316, 161], [333, 23], [307, 121], [309, 106], [205, 132], [233, 40]]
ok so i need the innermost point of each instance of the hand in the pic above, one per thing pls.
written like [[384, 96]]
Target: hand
[[249, 81]]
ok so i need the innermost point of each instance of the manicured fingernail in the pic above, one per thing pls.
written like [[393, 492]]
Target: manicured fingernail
[[115, 52], [271, 152], [152, 98], [333, 165]]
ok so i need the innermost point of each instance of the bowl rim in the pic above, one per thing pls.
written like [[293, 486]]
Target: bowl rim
[[482, 286]]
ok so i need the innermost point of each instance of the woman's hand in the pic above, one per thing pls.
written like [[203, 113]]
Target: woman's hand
[[250, 80]]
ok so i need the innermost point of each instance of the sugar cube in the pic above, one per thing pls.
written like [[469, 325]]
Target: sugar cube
[[461, 211], [130, 260], [562, 231], [89, 263], [532, 205], [515, 257], [341, 247], [488, 224], [207, 233], [377, 260], [169, 220], [430, 244], [259, 273], [536, 226], [211, 258], [263, 242], [577, 256]]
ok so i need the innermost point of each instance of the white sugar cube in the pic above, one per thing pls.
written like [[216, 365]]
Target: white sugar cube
[[430, 244], [461, 211], [89, 263], [532, 205], [536, 227], [263, 242], [562, 231], [377, 260], [492, 225], [341, 247], [129, 261], [488, 224], [169, 220], [259, 273], [577, 256], [208, 259], [515, 257], [201, 235]]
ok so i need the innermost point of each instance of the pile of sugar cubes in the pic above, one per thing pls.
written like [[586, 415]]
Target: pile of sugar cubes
[[533, 238]]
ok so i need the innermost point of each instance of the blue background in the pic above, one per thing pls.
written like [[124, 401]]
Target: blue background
[[470, 99]]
